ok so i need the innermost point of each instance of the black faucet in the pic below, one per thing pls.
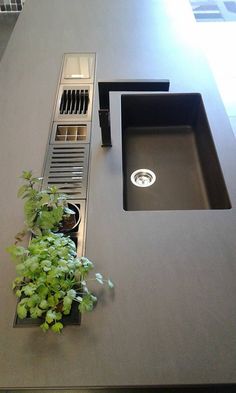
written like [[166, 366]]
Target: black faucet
[[122, 85]]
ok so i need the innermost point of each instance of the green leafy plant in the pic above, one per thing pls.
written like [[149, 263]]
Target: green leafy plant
[[43, 209], [50, 278]]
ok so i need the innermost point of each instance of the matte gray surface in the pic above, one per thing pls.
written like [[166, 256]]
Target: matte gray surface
[[172, 317], [7, 23]]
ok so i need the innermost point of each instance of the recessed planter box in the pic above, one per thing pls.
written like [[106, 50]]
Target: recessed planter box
[[74, 318]]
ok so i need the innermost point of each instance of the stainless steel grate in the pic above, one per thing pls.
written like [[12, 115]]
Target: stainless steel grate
[[66, 161], [67, 168]]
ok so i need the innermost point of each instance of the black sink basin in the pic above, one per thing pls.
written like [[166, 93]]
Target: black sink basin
[[169, 135]]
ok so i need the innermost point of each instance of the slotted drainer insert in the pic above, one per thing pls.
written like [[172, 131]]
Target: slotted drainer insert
[[74, 102], [67, 169]]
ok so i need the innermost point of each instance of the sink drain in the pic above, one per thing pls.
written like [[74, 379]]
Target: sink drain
[[143, 177]]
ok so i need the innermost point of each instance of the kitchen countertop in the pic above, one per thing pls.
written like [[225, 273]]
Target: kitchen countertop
[[172, 318]]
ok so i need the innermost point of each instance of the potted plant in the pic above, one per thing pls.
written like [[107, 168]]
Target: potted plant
[[45, 209], [51, 279]]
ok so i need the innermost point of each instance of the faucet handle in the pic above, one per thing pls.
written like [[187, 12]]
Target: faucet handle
[[104, 122]]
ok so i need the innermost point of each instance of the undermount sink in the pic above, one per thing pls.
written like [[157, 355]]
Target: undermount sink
[[169, 158]]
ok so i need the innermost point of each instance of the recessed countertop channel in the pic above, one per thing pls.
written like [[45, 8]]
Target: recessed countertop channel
[[172, 317]]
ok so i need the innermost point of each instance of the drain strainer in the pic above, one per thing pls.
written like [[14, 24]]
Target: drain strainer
[[143, 177]]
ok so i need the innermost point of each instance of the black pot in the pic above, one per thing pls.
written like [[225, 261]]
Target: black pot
[[72, 223]]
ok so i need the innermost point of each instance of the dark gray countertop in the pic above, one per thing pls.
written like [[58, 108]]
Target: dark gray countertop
[[172, 319]]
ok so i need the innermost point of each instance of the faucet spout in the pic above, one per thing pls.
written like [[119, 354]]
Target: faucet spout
[[105, 87]]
